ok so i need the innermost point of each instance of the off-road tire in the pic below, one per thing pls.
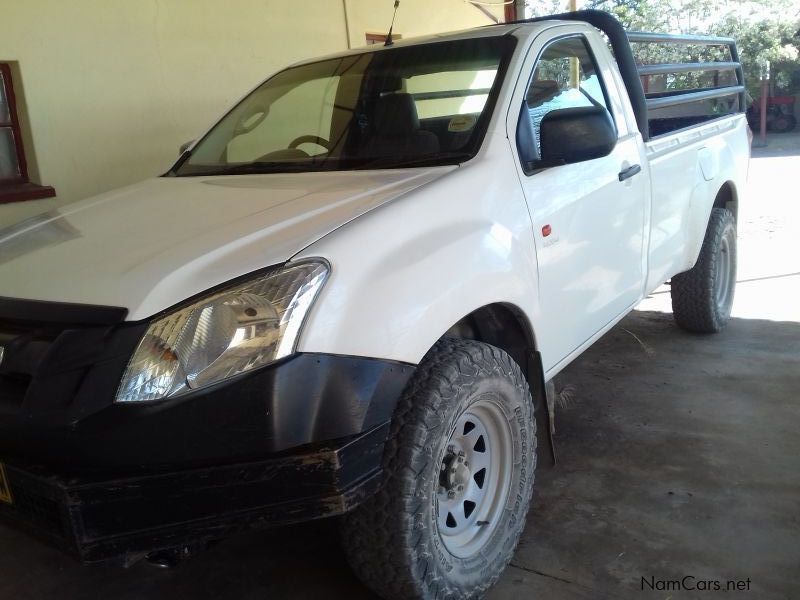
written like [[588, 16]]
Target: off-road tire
[[696, 302], [392, 540]]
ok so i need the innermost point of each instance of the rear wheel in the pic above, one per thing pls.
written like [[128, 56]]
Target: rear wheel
[[703, 296], [458, 478]]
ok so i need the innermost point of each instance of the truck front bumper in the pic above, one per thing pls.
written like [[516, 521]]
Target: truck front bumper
[[121, 519], [299, 439]]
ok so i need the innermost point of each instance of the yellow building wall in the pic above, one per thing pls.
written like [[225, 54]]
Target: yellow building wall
[[113, 87], [416, 17]]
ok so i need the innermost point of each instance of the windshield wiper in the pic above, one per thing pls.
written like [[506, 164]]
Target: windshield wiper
[[339, 164], [253, 168], [442, 158]]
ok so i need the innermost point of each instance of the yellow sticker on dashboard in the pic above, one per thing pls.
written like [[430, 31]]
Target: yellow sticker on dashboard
[[5, 489], [461, 123]]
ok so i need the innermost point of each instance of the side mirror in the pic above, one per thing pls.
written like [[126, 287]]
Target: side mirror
[[572, 135], [184, 147]]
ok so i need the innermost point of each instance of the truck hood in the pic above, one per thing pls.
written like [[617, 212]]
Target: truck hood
[[151, 245]]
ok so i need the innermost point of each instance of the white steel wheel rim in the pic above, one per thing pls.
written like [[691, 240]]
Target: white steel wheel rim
[[724, 276], [474, 478]]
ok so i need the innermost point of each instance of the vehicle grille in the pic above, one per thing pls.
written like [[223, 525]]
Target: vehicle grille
[[23, 351], [12, 391], [35, 510]]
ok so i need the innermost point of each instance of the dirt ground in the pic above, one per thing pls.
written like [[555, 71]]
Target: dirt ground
[[678, 460]]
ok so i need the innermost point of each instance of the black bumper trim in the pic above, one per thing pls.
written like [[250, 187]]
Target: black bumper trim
[[304, 399], [114, 519]]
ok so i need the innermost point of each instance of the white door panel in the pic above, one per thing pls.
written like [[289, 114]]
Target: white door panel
[[589, 227], [590, 264]]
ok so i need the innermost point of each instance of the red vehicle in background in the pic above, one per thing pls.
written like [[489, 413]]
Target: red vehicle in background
[[780, 114]]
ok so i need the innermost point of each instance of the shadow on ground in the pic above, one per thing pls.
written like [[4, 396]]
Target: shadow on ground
[[678, 456], [778, 144]]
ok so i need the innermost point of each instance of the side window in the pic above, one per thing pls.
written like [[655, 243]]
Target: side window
[[566, 76]]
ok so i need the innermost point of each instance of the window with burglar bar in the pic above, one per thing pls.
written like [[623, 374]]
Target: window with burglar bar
[[15, 184]]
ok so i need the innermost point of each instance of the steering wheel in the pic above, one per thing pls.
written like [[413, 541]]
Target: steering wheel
[[310, 139]]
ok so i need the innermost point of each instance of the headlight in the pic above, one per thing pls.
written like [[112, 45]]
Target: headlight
[[226, 333]]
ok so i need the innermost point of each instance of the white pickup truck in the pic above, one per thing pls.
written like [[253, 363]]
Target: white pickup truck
[[349, 296]]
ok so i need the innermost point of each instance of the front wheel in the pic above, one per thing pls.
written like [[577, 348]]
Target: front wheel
[[458, 479], [702, 297]]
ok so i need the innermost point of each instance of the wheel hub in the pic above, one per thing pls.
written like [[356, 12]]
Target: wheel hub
[[455, 473], [474, 478]]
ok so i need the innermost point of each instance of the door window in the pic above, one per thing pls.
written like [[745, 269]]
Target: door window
[[566, 76]]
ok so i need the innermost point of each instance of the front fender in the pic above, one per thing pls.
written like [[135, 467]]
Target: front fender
[[403, 274]]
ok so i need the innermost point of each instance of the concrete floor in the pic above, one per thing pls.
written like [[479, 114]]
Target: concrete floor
[[679, 455]]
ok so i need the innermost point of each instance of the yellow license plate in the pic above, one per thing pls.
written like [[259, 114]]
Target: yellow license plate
[[5, 489]]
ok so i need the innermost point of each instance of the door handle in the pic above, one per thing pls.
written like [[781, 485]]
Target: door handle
[[630, 172]]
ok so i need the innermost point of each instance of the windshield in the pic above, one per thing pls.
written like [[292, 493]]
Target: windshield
[[420, 105]]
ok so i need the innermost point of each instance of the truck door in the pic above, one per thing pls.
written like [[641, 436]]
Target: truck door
[[588, 217]]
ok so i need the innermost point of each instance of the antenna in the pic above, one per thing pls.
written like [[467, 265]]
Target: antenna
[[389, 41]]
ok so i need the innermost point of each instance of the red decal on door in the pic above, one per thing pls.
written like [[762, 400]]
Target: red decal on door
[[547, 230]]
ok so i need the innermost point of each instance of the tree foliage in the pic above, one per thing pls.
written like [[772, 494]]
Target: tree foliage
[[764, 30], [772, 40]]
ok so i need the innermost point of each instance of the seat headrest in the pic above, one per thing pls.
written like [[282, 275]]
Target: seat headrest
[[391, 83], [396, 114]]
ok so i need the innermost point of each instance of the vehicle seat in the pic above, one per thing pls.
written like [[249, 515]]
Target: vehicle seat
[[396, 130]]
